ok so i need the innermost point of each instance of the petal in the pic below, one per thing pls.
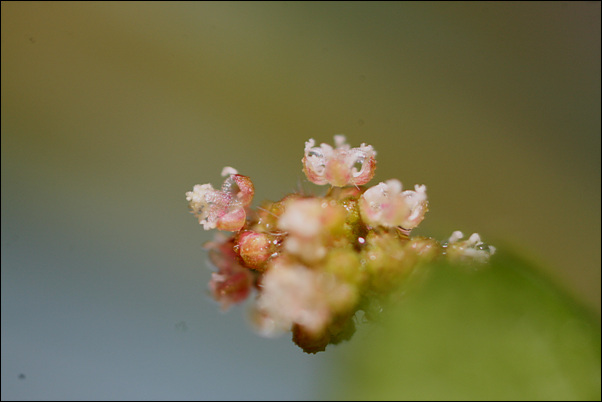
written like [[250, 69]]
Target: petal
[[233, 220]]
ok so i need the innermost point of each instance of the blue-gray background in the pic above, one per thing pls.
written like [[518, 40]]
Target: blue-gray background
[[111, 111]]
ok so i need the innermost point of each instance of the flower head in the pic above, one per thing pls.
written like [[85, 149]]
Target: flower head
[[340, 166], [472, 249], [386, 205], [222, 209], [315, 261]]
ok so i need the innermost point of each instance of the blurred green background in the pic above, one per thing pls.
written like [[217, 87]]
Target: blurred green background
[[112, 111]]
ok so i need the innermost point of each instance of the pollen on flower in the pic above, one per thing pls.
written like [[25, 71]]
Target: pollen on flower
[[308, 264], [202, 200]]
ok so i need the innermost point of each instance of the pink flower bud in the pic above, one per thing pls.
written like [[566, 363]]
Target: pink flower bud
[[231, 288], [233, 220], [232, 283], [255, 249]]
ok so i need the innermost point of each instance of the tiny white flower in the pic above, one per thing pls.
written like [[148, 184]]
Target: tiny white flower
[[386, 205], [294, 294], [222, 209], [472, 249], [338, 166], [303, 217]]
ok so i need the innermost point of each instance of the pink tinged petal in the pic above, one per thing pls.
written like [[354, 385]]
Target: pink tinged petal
[[314, 161], [418, 206], [365, 156], [313, 174], [384, 205], [366, 173], [246, 189], [239, 189], [233, 220]]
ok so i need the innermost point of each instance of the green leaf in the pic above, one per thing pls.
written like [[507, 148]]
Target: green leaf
[[502, 332]]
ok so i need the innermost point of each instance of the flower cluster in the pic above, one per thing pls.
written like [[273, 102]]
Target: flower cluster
[[313, 262]]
